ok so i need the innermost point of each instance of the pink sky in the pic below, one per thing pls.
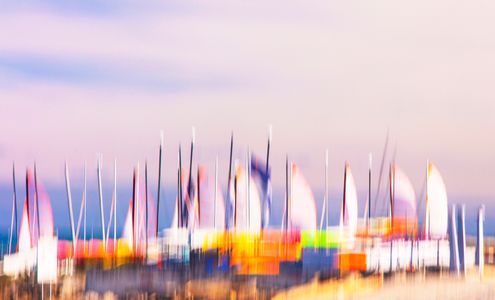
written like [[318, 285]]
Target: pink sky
[[80, 80]]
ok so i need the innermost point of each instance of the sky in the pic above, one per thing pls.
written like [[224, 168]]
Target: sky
[[83, 78]]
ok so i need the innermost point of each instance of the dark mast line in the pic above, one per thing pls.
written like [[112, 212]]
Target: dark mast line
[[344, 199], [27, 202], [159, 185], [146, 205], [181, 223], [230, 178], [199, 198], [286, 193], [134, 208], [37, 199], [15, 209], [189, 182], [267, 170]]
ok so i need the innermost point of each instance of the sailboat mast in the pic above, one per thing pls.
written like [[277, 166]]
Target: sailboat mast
[[382, 164], [37, 199], [342, 216], [180, 188], [248, 202], [215, 195], [369, 190], [69, 199], [391, 195], [178, 192], [199, 197], [27, 206], [115, 205], [427, 202], [13, 224], [138, 213], [134, 211], [100, 197], [189, 182], [84, 199], [286, 193], [290, 195], [15, 202], [229, 217], [146, 206], [159, 183], [266, 205], [235, 197], [326, 189]]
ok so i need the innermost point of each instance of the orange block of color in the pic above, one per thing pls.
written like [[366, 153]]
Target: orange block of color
[[259, 266], [352, 261]]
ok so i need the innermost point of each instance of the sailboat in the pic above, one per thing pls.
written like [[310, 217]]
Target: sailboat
[[403, 205], [349, 210], [247, 210], [303, 216], [36, 245], [436, 218]]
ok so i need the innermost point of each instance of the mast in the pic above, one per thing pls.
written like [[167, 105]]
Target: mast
[[181, 222], [199, 197], [134, 211], [391, 214], [291, 193], [427, 219], [178, 190], [13, 224], [138, 215], [235, 198], [369, 191], [84, 199], [146, 206], [392, 195], [189, 182], [287, 193], [37, 199], [71, 214], [215, 195], [228, 217], [81, 211], [266, 205], [100, 197], [159, 183], [27, 206], [323, 209], [248, 200], [115, 205], [382, 164], [326, 189], [342, 216]]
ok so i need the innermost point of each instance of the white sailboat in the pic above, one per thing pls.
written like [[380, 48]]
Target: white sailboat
[[436, 219], [302, 206]]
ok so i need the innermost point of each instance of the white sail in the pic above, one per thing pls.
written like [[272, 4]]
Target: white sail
[[208, 218], [128, 233], [248, 209], [349, 215], [24, 243], [404, 197], [436, 204], [302, 202]]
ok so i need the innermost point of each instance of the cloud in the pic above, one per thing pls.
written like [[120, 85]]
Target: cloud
[[97, 74]]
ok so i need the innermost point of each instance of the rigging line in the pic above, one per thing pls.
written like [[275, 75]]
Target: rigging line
[[384, 155]]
